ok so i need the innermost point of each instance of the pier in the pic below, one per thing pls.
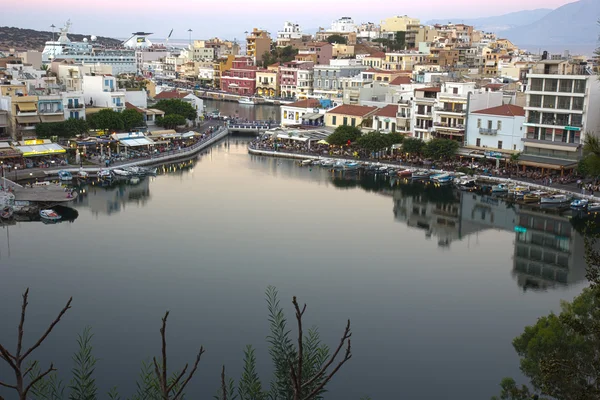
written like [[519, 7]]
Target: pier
[[44, 196], [252, 126]]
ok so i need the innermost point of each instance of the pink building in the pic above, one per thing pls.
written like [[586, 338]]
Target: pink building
[[241, 78], [295, 78]]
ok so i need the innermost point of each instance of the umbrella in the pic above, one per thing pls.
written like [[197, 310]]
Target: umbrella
[[322, 141]]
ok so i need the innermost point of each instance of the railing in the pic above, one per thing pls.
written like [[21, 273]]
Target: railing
[[75, 106], [45, 111], [487, 131]]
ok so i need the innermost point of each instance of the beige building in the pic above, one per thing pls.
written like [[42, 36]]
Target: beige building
[[267, 82], [342, 50], [258, 42], [398, 23], [350, 115], [402, 61]]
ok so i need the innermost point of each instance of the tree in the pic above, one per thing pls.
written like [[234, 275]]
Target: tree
[[107, 120], [171, 121], [75, 126], [373, 141], [394, 138], [343, 134], [413, 146], [441, 149], [399, 40], [590, 164], [46, 130], [510, 391], [177, 106], [339, 39], [132, 119]]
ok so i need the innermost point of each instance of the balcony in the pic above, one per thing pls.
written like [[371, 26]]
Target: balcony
[[487, 131], [50, 111], [75, 106], [450, 110]]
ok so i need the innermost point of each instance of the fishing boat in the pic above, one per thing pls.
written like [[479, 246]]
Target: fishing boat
[[105, 174], [555, 199], [534, 197], [593, 207], [327, 163], [421, 175], [65, 175], [6, 212], [579, 204], [49, 215], [500, 188], [351, 166], [122, 172], [405, 173], [246, 100], [82, 175]]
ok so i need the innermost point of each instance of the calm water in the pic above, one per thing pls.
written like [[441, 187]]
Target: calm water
[[431, 279], [259, 112]]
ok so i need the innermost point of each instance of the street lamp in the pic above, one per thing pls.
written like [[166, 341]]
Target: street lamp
[[16, 173]]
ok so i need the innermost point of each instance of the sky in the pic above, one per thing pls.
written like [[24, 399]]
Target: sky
[[119, 18]]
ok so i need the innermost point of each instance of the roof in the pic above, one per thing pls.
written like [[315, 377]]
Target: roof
[[130, 106], [350, 109], [505, 110], [388, 111], [494, 85], [401, 80], [307, 103], [379, 54], [170, 94], [430, 89]]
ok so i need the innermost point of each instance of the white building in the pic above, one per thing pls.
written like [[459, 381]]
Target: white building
[[73, 104], [344, 24], [291, 114], [101, 91], [290, 32], [496, 129]]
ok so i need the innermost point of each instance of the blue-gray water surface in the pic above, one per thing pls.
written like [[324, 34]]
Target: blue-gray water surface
[[436, 283]]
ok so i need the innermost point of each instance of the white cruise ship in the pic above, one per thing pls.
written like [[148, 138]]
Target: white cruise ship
[[122, 60]]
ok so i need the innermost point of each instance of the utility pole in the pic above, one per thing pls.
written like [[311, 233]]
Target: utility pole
[[190, 31]]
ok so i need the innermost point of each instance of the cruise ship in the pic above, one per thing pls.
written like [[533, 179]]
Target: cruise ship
[[122, 60]]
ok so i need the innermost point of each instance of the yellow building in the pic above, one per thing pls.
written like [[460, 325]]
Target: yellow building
[[25, 116], [267, 82], [398, 23], [258, 42], [322, 36], [350, 115], [342, 50], [402, 61], [220, 66]]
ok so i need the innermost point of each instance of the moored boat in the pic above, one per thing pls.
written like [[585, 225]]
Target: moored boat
[[442, 179], [246, 100], [49, 215], [105, 174], [122, 172], [65, 175], [405, 173], [500, 188], [579, 204], [534, 197], [82, 175], [593, 207], [327, 163], [6, 212], [555, 199], [305, 163], [467, 183], [421, 175], [351, 165]]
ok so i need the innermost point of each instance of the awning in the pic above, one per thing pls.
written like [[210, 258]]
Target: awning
[[29, 119], [27, 107], [156, 111], [161, 133], [284, 136], [41, 150], [546, 162], [4, 145], [190, 134], [52, 118], [312, 116], [142, 141], [551, 146]]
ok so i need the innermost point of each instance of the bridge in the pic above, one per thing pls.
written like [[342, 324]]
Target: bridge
[[252, 126]]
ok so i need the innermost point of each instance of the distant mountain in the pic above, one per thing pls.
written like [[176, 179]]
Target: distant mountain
[[29, 39], [499, 23], [574, 24]]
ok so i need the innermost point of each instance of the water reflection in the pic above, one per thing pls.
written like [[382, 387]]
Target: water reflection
[[259, 112]]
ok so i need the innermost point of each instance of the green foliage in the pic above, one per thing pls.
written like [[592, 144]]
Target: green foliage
[[339, 39], [46, 130], [147, 387], [113, 394], [177, 106], [65, 129], [510, 391], [394, 138], [75, 126], [342, 134], [132, 119], [399, 40], [590, 164], [107, 120], [315, 356], [48, 388], [83, 384], [373, 141], [441, 149], [413, 146], [279, 55], [171, 121], [249, 386]]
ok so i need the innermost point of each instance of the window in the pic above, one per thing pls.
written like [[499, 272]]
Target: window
[[333, 120], [499, 144], [489, 124], [499, 125], [479, 122], [345, 121], [478, 142], [455, 90], [354, 122]]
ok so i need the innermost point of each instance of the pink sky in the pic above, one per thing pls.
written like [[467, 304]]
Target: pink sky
[[120, 17]]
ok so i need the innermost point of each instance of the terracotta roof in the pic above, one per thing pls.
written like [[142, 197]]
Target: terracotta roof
[[401, 80], [307, 103], [130, 106], [429, 89], [350, 109], [388, 111], [170, 94], [378, 54], [505, 110]]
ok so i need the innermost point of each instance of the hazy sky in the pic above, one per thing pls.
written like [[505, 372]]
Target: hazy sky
[[118, 18]]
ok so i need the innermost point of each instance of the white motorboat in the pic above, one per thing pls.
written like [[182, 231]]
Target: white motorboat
[[49, 215], [65, 176], [443, 178], [104, 174], [421, 175], [327, 163], [82, 175], [579, 204], [500, 188], [467, 183], [246, 100], [305, 163], [556, 199], [122, 172], [593, 207]]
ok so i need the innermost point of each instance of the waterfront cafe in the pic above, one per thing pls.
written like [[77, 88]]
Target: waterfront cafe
[[135, 143], [9, 157], [92, 145], [41, 153]]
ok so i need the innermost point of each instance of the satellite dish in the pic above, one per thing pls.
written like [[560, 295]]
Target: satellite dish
[[94, 38]]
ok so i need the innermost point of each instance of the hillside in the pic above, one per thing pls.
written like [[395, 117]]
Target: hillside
[[499, 23], [30, 39], [574, 24]]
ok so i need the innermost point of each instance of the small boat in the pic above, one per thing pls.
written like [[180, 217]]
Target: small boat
[[421, 175], [6, 212], [382, 170], [105, 174], [500, 188], [65, 176], [49, 215], [579, 204], [518, 190], [121, 172], [82, 175], [442, 179], [405, 173], [351, 165], [555, 199], [305, 163], [593, 207], [327, 163], [467, 184], [534, 197], [246, 100], [339, 165]]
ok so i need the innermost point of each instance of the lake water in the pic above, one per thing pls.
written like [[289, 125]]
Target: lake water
[[258, 112], [436, 282]]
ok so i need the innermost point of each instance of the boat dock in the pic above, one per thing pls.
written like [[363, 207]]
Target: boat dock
[[45, 195]]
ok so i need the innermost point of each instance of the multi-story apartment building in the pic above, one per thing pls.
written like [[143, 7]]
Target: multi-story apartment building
[[267, 82], [4, 125], [73, 105], [101, 91], [318, 52], [241, 77], [422, 111], [402, 60], [291, 32], [497, 129], [327, 78], [290, 78], [50, 108], [220, 66], [397, 24], [258, 42], [562, 106]]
